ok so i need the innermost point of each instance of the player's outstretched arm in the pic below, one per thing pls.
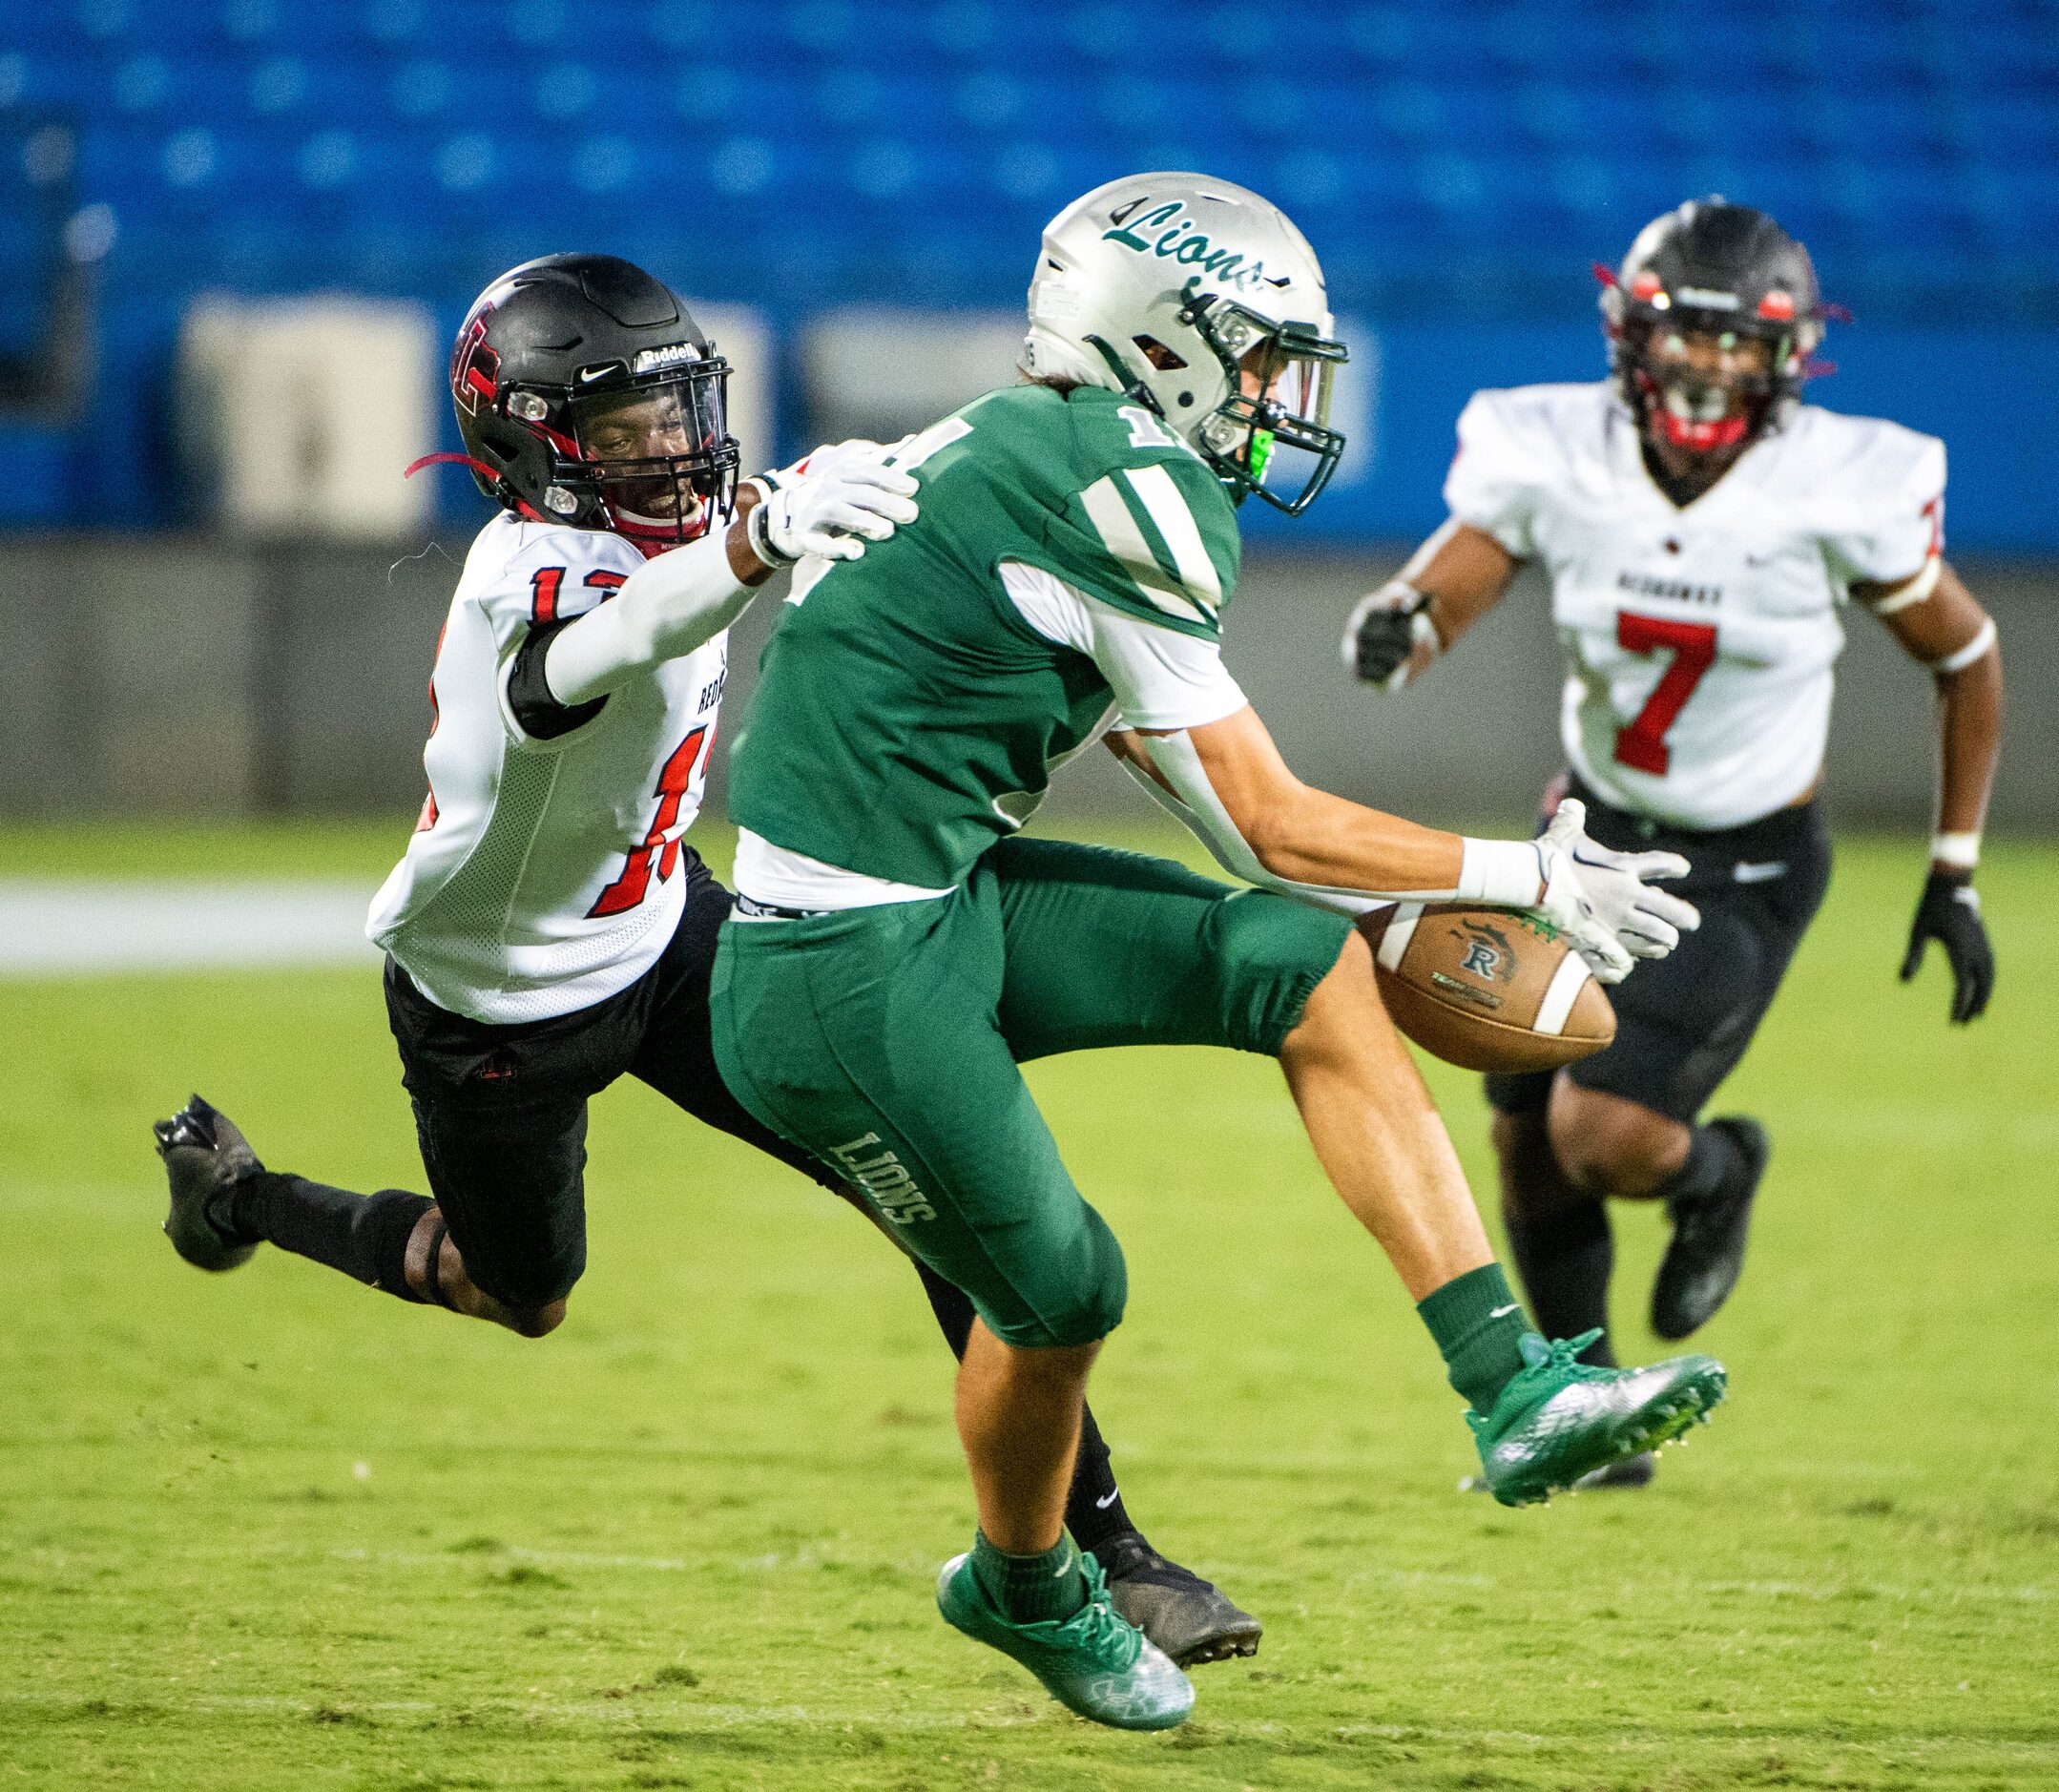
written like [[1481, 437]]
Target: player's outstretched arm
[[830, 505], [1449, 583], [1940, 624], [1227, 781]]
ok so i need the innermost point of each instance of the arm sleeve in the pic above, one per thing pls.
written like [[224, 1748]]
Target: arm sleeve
[[554, 577], [1492, 482], [533, 705], [1162, 677], [1894, 522], [1501, 873], [666, 607]]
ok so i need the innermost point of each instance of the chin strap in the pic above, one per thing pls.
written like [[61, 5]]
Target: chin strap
[[1127, 384]]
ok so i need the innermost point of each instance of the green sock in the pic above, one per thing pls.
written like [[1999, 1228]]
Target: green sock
[[1476, 1321], [1031, 1589]]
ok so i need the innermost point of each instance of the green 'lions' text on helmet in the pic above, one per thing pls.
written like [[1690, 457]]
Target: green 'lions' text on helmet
[[1203, 303]]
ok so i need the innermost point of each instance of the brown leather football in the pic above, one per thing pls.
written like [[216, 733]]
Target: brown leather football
[[1486, 988]]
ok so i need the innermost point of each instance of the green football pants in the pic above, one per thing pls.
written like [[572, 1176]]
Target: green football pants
[[886, 1041]]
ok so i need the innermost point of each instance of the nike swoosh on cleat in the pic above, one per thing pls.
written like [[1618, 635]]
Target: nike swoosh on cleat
[[1502, 1312], [1107, 1499], [1747, 872]]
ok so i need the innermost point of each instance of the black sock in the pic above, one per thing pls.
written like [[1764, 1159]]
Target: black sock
[[1565, 1256], [365, 1236], [951, 1305], [1094, 1509], [1714, 1163]]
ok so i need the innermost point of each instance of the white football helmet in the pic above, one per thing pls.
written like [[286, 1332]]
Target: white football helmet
[[1204, 303]]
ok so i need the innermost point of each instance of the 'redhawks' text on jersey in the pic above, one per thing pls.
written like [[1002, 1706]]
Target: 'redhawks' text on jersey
[[541, 877], [1699, 639]]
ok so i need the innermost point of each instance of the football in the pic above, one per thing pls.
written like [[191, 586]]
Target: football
[[1485, 988]]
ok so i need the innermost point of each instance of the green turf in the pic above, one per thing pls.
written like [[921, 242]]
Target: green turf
[[275, 1531]]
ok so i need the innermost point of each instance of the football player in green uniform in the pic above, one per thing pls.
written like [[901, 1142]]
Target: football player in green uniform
[[896, 951]]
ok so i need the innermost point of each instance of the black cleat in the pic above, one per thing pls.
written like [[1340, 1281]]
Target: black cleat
[[1184, 1615], [203, 1154], [1702, 1263]]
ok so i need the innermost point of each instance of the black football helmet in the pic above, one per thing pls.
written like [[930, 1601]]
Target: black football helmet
[[1729, 275], [586, 395]]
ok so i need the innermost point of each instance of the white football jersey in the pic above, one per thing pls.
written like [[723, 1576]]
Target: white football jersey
[[544, 875], [1698, 641]]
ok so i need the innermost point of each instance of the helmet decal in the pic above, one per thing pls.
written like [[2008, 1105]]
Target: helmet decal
[[473, 363], [1201, 302], [1174, 242]]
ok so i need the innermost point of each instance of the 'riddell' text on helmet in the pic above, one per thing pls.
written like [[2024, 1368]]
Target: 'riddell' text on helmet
[[1711, 322], [1202, 302], [586, 395]]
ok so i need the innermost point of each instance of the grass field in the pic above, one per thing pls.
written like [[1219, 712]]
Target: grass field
[[274, 1531]]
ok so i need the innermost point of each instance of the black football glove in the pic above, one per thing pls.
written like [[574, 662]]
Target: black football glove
[[1384, 630], [1950, 913]]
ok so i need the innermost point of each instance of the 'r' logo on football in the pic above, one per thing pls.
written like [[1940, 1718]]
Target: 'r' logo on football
[[1487, 952]]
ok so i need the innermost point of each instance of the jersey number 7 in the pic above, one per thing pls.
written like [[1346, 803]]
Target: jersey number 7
[[1642, 745]]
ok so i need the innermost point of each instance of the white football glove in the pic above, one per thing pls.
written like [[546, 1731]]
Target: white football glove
[[1389, 638], [831, 504], [1603, 901]]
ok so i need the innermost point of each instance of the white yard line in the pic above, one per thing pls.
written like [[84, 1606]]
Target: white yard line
[[72, 927]]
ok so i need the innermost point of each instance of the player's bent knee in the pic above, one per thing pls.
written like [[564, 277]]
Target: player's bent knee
[[1077, 1297], [534, 1322], [1608, 1146], [534, 1288], [1276, 954]]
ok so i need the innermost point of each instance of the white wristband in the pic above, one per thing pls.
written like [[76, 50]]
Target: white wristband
[[756, 532], [1503, 873], [1960, 851], [1983, 638]]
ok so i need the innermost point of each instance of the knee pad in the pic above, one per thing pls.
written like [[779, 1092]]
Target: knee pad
[[1100, 1310], [1078, 1300], [1272, 952], [530, 1282]]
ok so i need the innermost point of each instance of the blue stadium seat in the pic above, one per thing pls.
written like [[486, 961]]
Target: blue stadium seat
[[1466, 158]]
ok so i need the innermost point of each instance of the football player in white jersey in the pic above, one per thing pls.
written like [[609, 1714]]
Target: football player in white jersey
[[548, 929], [1702, 531]]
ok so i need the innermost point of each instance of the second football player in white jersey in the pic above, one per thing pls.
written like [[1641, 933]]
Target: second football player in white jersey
[[548, 929], [1702, 531]]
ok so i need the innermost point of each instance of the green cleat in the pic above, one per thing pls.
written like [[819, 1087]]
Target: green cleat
[[1559, 1420], [1095, 1662]]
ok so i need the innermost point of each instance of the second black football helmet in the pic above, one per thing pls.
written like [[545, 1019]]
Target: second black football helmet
[[587, 394], [1710, 269]]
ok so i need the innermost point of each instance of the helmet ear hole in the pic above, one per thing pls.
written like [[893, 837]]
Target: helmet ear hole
[[1165, 360]]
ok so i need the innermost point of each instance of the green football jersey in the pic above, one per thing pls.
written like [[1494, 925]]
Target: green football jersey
[[907, 715]]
